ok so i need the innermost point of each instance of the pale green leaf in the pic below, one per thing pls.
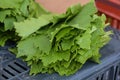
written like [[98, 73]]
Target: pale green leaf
[[84, 41], [10, 4], [24, 29], [83, 18], [43, 43], [26, 48]]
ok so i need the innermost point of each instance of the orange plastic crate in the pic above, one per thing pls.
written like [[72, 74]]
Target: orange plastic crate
[[111, 8]]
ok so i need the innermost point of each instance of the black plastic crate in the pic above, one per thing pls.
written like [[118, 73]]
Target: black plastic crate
[[15, 69], [12, 68]]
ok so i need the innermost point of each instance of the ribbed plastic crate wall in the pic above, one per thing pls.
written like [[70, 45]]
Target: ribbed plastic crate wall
[[10, 67], [111, 8]]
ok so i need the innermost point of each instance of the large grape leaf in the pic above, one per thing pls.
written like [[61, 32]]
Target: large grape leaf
[[43, 43], [83, 18], [33, 46], [24, 29], [26, 48]]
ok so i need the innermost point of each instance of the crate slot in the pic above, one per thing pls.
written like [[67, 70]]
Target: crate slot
[[97, 78], [106, 75], [20, 65], [4, 77], [119, 69], [8, 72], [102, 77], [14, 68], [110, 73], [116, 72]]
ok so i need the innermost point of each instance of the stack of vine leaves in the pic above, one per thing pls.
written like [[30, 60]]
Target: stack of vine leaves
[[51, 42]]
